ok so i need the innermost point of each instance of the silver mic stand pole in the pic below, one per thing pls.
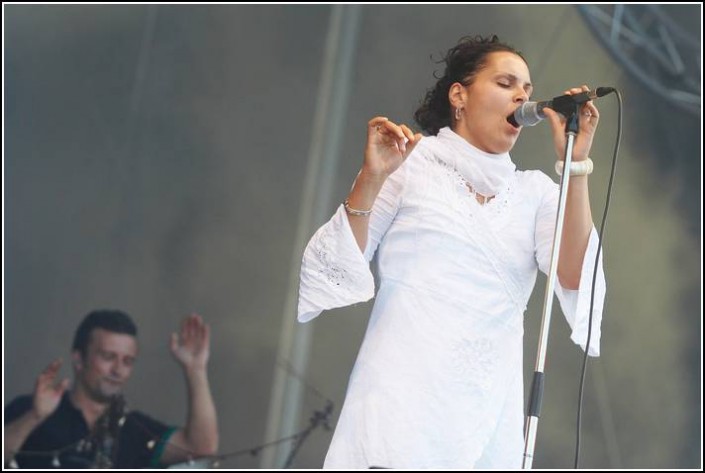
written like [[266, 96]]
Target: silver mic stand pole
[[536, 398]]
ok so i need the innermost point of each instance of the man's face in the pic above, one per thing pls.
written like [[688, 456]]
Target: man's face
[[107, 364]]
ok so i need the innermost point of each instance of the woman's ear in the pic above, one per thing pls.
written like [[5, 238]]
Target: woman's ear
[[457, 95], [77, 360]]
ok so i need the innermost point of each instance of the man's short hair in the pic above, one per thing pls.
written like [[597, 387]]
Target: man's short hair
[[110, 320]]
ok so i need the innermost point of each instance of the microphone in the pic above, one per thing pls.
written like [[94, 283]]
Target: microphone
[[106, 433], [530, 113]]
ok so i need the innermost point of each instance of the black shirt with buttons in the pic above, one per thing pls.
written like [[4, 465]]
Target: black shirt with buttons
[[138, 444]]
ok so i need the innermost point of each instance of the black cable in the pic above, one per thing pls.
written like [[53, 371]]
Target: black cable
[[594, 274], [286, 366], [319, 418]]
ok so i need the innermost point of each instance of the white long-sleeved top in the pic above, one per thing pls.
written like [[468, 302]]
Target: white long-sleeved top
[[438, 379]]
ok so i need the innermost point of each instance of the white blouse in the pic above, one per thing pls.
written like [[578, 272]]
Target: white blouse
[[438, 379]]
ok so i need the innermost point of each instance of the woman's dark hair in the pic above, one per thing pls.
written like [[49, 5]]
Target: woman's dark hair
[[463, 62], [110, 320]]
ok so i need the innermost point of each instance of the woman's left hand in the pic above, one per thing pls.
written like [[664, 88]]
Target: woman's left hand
[[589, 117]]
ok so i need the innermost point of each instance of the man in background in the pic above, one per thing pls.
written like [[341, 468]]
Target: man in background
[[88, 426]]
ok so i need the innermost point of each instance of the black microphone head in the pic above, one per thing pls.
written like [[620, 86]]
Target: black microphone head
[[602, 91]]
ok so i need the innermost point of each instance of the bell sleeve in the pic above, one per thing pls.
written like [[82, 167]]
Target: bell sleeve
[[334, 272], [575, 304]]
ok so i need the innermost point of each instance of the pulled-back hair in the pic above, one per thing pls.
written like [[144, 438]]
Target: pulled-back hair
[[462, 63], [111, 320]]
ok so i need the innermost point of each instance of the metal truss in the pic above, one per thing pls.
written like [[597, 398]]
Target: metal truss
[[653, 47]]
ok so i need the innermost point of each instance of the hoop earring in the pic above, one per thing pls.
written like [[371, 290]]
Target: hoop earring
[[458, 113]]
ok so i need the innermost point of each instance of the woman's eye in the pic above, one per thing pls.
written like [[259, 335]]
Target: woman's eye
[[501, 84]]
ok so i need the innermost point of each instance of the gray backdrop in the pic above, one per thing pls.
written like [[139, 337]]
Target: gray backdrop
[[154, 162]]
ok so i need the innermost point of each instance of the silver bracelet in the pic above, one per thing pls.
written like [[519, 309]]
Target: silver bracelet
[[577, 168], [352, 211]]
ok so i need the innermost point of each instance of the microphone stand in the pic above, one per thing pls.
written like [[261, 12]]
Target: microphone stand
[[570, 111], [318, 418], [106, 433]]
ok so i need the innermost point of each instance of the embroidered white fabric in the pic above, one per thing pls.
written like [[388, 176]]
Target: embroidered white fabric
[[438, 379], [487, 173]]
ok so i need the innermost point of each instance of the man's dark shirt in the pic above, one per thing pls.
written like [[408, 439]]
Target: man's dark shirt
[[66, 427]]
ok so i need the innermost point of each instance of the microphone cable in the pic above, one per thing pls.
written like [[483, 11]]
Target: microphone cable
[[594, 273]]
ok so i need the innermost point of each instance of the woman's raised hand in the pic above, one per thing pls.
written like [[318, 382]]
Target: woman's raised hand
[[589, 117], [388, 145]]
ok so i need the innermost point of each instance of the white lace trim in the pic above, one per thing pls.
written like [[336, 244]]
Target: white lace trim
[[333, 273], [497, 206]]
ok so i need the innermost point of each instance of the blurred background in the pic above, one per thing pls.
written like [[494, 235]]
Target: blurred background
[[165, 159]]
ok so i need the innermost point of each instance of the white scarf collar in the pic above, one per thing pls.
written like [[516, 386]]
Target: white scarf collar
[[487, 173]]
